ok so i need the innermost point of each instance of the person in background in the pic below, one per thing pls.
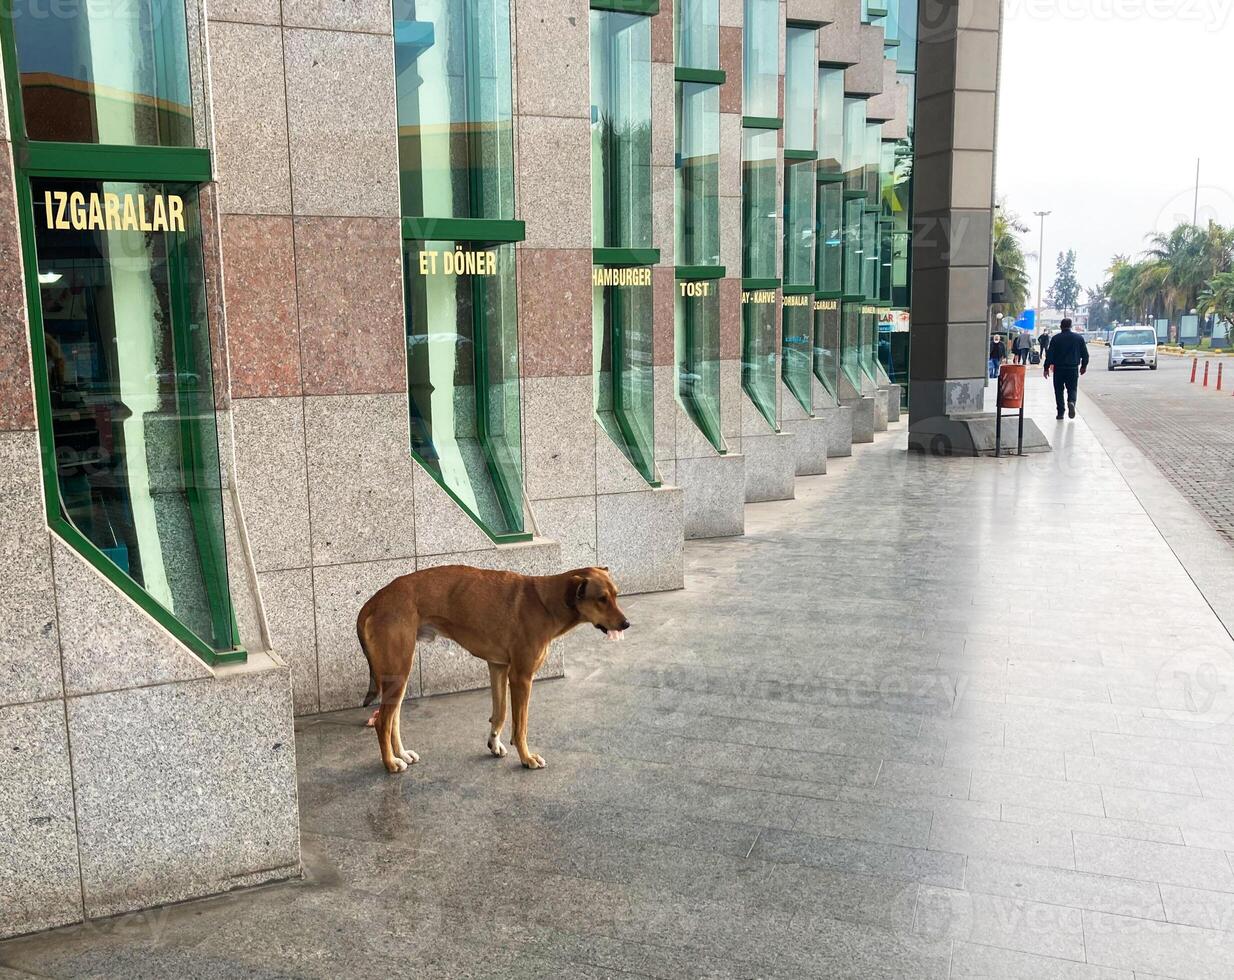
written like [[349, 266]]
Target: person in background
[[1067, 356], [998, 354], [1023, 344], [1044, 342]]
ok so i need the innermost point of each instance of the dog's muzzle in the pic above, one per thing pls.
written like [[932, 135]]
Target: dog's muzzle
[[617, 634]]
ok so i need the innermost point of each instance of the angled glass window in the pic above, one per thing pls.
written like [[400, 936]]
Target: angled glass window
[[797, 354], [869, 342], [622, 308], [758, 204], [869, 255], [830, 121], [761, 59], [758, 355], [452, 74], [115, 73], [827, 344], [885, 261], [854, 213], [697, 32], [462, 375], [829, 231], [850, 343], [122, 308], [455, 130], [800, 87], [873, 163], [698, 351], [854, 144], [906, 22], [622, 316], [799, 222], [698, 174], [620, 129]]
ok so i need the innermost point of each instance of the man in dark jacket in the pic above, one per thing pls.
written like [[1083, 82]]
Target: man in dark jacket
[[998, 354], [1067, 355]]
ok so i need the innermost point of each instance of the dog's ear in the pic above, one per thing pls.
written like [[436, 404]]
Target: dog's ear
[[576, 590]]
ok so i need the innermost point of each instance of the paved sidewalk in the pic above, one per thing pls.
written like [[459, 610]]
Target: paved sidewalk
[[884, 736], [1186, 429]]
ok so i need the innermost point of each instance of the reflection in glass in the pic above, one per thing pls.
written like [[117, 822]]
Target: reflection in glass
[[799, 220], [622, 318], [798, 349], [854, 144], [698, 174], [758, 350], [698, 355], [131, 391], [869, 343], [827, 345], [104, 73], [854, 212], [462, 375], [761, 66], [758, 204], [620, 130], [830, 237], [869, 255], [800, 84], [873, 163], [850, 343], [697, 24], [455, 137], [830, 120]]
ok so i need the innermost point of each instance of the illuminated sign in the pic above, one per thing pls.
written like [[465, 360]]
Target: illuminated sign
[[759, 297], [802, 300], [826, 305], [695, 288], [457, 262], [621, 277]]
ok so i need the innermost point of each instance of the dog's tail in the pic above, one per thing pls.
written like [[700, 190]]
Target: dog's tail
[[373, 689]]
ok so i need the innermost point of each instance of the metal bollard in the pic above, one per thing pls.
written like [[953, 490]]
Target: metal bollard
[[1206, 374]]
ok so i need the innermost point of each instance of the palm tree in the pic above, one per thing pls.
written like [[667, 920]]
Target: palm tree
[[1181, 265], [1217, 298], [1009, 254]]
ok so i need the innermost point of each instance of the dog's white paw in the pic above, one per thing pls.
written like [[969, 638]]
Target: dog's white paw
[[396, 764], [411, 758], [495, 746], [534, 762], [372, 721]]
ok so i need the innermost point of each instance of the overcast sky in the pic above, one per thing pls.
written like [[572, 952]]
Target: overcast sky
[[1105, 106]]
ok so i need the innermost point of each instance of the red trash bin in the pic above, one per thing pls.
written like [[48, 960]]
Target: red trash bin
[[1011, 386]]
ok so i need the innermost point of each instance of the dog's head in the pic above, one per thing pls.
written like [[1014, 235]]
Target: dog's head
[[592, 592]]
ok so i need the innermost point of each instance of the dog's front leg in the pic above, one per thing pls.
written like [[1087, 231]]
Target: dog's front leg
[[520, 702], [499, 677]]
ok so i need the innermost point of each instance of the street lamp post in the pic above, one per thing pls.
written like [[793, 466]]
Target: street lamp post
[[1041, 259]]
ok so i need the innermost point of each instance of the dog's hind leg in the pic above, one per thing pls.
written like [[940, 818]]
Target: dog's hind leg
[[498, 676], [520, 704]]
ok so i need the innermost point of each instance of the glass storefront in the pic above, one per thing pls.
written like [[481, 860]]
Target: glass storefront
[[799, 222], [800, 84], [854, 159], [830, 238], [130, 387], [758, 204], [456, 153], [622, 307], [850, 343], [797, 356], [117, 75], [116, 290], [697, 33], [827, 344], [698, 347], [758, 356]]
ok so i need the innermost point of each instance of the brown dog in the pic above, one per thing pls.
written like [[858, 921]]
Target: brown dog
[[504, 618]]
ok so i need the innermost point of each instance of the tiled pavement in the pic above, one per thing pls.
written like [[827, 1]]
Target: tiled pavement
[[1186, 429], [883, 736]]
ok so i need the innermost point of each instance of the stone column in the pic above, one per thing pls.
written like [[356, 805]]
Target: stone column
[[957, 92]]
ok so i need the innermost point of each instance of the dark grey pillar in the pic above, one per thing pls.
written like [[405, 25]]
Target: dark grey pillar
[[953, 197]]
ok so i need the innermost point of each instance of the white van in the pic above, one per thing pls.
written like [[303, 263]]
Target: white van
[[1133, 345]]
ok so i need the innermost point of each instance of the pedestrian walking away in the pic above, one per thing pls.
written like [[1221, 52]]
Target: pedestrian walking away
[[998, 354], [1023, 344], [1044, 341], [1067, 357]]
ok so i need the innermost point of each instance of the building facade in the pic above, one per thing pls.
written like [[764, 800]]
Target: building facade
[[297, 297]]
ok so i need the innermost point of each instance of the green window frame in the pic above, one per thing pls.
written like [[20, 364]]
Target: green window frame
[[622, 303], [121, 355], [456, 178]]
